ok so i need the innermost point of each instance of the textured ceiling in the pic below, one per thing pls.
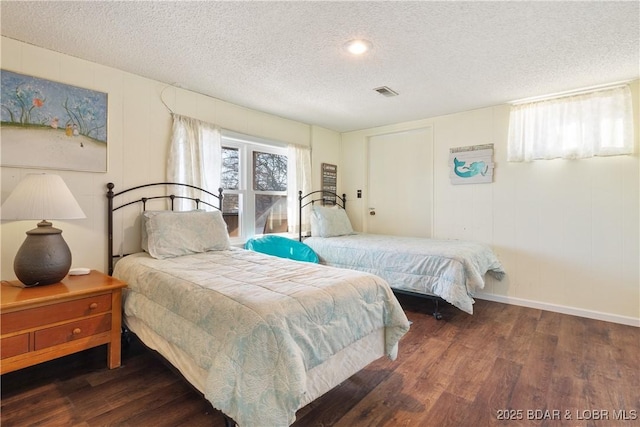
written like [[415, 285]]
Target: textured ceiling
[[286, 58]]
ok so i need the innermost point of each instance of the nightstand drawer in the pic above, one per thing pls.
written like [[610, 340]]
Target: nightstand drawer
[[72, 331], [48, 314], [14, 346]]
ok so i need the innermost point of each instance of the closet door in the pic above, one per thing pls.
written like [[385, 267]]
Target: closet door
[[400, 183]]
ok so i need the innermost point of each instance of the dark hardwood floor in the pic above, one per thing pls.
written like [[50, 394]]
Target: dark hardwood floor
[[505, 365]]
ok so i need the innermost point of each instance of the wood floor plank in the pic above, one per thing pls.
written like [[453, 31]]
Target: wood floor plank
[[570, 353], [613, 372], [567, 396], [149, 408], [549, 322], [494, 395], [124, 391], [392, 401], [341, 399], [518, 344], [532, 387], [387, 404], [623, 336], [43, 408], [445, 412]]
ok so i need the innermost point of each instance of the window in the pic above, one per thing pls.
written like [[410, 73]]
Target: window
[[254, 180], [598, 123]]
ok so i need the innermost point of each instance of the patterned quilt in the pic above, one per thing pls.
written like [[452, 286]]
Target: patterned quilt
[[257, 323], [450, 269]]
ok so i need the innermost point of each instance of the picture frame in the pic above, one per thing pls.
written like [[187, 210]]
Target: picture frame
[[329, 183], [52, 125], [471, 165]]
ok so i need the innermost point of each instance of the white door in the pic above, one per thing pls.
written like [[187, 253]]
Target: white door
[[400, 183]]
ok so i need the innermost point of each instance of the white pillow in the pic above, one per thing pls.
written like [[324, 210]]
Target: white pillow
[[171, 234], [329, 222], [144, 239], [313, 222]]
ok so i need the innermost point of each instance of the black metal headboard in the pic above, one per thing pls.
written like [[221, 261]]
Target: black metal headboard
[[143, 200], [326, 197]]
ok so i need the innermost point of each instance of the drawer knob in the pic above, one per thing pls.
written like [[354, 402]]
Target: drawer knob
[[93, 305], [77, 331]]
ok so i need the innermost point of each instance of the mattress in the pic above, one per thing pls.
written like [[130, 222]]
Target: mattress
[[256, 324], [450, 269]]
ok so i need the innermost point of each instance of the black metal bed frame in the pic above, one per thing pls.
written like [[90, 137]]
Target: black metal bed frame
[[329, 197], [111, 209]]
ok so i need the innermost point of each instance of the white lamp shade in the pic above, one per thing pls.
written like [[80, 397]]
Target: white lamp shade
[[41, 197]]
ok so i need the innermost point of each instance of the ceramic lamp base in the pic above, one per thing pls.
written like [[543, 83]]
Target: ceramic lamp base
[[44, 257]]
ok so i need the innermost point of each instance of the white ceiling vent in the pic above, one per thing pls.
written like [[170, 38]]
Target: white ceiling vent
[[386, 91]]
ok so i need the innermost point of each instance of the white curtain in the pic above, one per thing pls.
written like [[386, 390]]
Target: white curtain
[[195, 158], [591, 124], [299, 179]]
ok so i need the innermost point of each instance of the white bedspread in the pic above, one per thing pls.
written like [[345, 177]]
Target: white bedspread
[[450, 269], [257, 323]]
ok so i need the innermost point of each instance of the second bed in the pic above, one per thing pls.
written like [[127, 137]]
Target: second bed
[[449, 269]]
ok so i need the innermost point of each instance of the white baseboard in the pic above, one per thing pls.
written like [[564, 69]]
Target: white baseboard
[[590, 314]]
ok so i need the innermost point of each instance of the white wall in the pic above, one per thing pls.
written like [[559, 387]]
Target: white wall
[[567, 232], [138, 140], [325, 149]]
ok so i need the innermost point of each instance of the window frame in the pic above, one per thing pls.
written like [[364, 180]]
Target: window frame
[[246, 145]]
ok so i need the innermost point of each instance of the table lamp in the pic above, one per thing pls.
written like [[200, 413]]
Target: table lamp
[[44, 257]]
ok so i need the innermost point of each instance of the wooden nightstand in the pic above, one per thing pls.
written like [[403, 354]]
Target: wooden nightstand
[[46, 322]]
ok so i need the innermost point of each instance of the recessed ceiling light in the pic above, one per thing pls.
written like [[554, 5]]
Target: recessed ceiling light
[[357, 47]]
